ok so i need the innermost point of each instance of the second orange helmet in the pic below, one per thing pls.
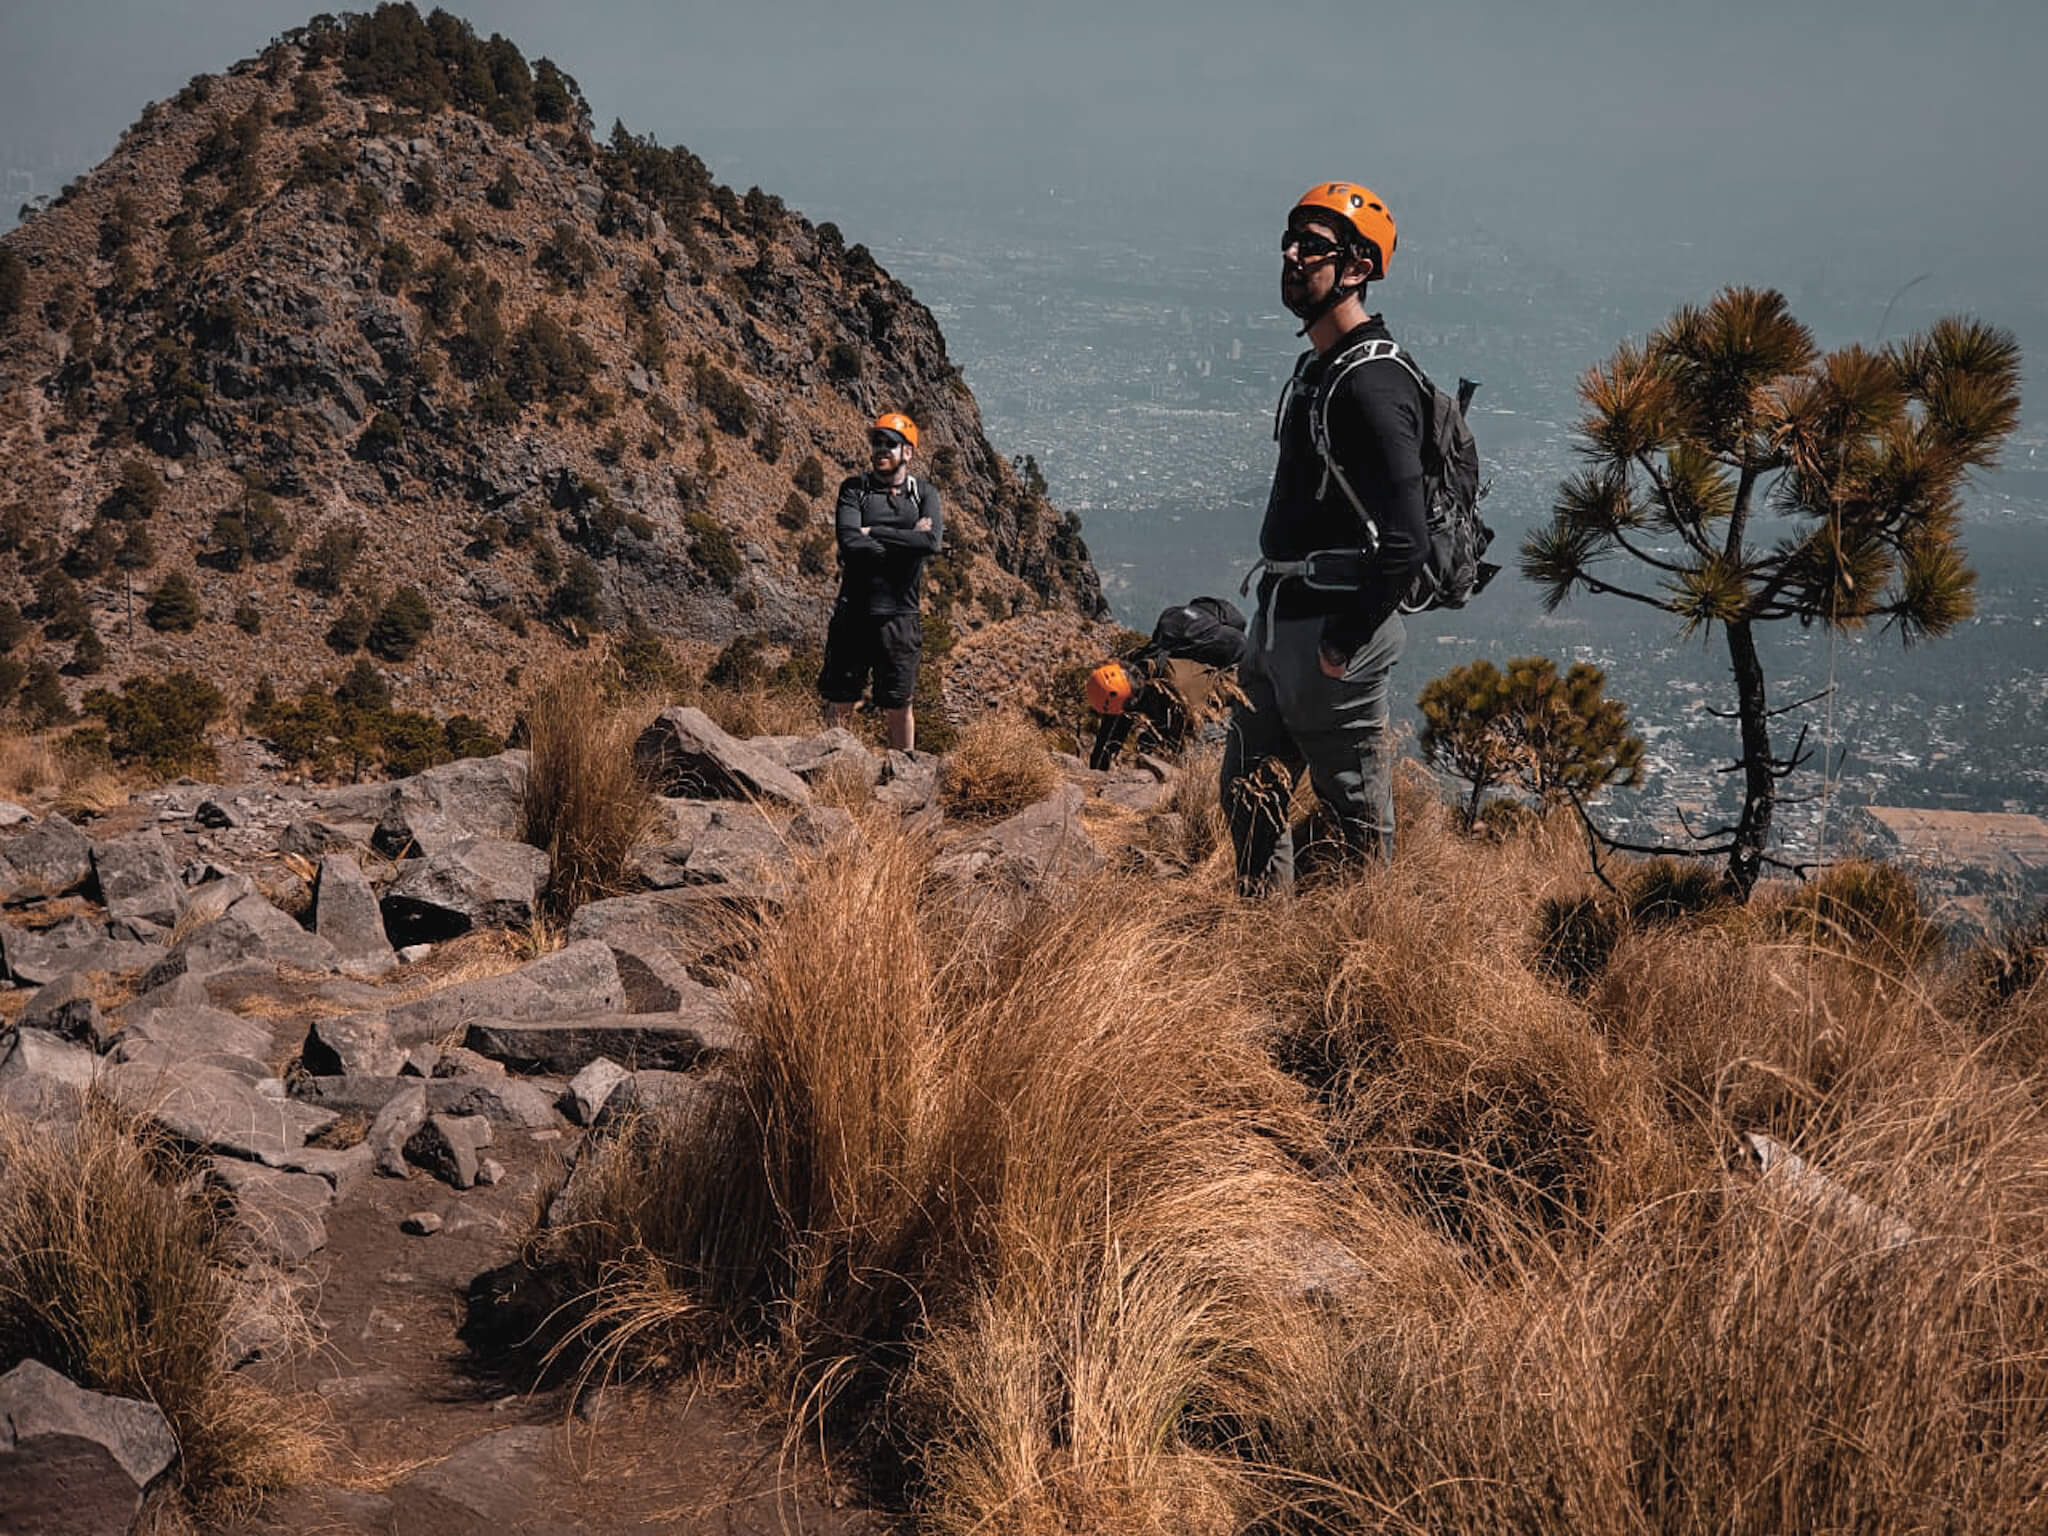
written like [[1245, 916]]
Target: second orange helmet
[[1359, 208], [897, 422]]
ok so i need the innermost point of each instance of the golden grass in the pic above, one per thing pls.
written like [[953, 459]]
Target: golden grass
[[1151, 1209], [999, 767], [113, 1273], [37, 768], [585, 805]]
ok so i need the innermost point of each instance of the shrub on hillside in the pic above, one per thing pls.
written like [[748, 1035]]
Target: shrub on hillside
[[1864, 908], [580, 597], [714, 550], [325, 565], [13, 285], [400, 625], [810, 476], [998, 766], [174, 605], [41, 700], [159, 722], [351, 627], [723, 396]]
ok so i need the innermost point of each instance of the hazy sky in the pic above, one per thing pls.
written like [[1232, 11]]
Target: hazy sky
[[1876, 139]]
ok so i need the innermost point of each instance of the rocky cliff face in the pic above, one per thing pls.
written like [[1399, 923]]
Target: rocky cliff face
[[376, 312]]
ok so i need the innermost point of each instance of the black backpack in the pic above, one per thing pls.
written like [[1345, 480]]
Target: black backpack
[[1205, 629], [1451, 487]]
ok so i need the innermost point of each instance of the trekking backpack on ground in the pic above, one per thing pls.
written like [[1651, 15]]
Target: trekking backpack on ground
[[1451, 488]]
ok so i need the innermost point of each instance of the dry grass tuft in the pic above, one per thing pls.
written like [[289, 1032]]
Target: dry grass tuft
[[111, 1272], [999, 767], [1144, 1208], [585, 805]]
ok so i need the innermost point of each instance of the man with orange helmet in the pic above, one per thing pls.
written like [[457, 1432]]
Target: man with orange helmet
[[889, 525], [1345, 533]]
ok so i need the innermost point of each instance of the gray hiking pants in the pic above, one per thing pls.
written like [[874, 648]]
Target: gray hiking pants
[[1293, 716]]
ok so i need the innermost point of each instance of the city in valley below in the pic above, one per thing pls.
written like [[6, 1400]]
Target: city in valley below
[[1143, 382]]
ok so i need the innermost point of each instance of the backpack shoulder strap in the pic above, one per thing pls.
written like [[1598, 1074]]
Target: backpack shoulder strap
[[1377, 349]]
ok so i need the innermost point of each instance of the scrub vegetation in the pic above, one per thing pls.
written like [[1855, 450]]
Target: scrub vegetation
[[1140, 1208]]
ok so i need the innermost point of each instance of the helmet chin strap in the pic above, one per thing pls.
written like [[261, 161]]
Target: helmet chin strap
[[1337, 295]]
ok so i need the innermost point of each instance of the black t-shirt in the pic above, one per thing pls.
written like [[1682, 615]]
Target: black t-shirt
[[882, 570], [1376, 423]]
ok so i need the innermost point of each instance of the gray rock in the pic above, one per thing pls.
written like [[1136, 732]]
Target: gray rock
[[138, 879], [447, 1146], [421, 1224], [1135, 790], [195, 1034], [693, 921], [402, 1115], [812, 758], [311, 839], [43, 1077], [685, 753], [500, 1481], [12, 815], [909, 781], [589, 1089], [575, 980], [206, 1107], [352, 1045], [220, 815], [481, 797], [73, 1462], [346, 915], [677, 1041], [460, 1061], [339, 1168], [67, 1009], [739, 848], [654, 1091], [489, 1171], [53, 855], [279, 1216], [1042, 845], [251, 935], [35, 959], [651, 970], [525, 1104], [181, 991], [478, 883]]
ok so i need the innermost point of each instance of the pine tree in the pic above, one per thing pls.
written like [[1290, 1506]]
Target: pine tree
[[1751, 478], [174, 605], [1552, 735]]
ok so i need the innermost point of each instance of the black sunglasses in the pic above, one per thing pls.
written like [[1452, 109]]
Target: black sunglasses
[[879, 440], [1313, 247]]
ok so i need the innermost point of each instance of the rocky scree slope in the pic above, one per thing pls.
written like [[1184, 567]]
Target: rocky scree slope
[[376, 311]]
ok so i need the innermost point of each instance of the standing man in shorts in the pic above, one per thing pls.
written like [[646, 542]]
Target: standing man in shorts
[[889, 525]]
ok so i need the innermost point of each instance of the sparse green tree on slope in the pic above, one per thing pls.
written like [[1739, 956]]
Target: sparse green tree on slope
[[1739, 476], [1550, 734]]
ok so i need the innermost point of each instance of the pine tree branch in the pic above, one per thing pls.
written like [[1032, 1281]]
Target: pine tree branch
[[1595, 584], [1687, 528]]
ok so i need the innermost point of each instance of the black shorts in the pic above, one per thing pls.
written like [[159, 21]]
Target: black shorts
[[857, 644]]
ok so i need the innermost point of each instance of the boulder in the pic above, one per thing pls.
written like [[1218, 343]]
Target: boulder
[[517, 1103], [309, 838], [655, 978], [279, 1216], [208, 1108], [30, 959], [41, 1076], [168, 1035], [812, 758], [677, 1041], [352, 1045], [589, 1088], [736, 847], [448, 1146], [73, 1462], [138, 879], [472, 797], [251, 935], [692, 920], [909, 781], [685, 753], [53, 856], [1039, 846], [346, 915], [576, 980], [402, 1115], [477, 883], [67, 1009]]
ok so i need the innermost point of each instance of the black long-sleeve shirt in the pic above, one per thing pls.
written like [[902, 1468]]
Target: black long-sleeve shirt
[[883, 569], [1376, 426]]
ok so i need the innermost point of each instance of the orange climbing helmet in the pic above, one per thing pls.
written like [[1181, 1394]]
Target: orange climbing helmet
[[1109, 689], [1358, 209], [900, 424]]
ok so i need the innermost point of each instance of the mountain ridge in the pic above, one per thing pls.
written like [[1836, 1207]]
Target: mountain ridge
[[373, 317]]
